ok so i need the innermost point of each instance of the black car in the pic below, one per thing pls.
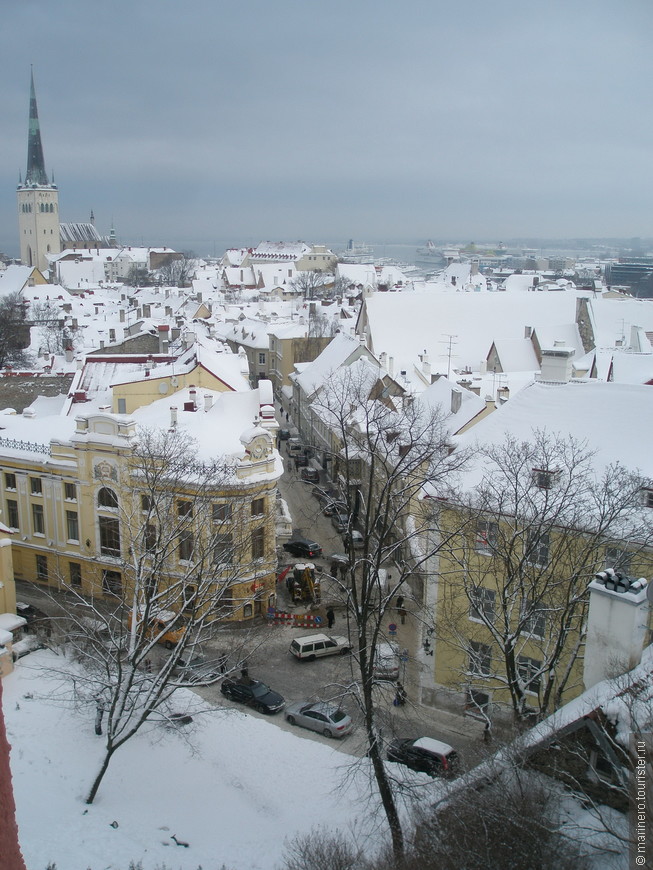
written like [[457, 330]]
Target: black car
[[303, 547], [253, 693], [284, 434], [425, 755]]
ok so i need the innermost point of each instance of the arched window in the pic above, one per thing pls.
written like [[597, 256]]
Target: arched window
[[107, 498]]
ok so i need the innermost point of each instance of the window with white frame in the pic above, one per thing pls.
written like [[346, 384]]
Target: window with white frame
[[537, 548], [481, 603], [480, 659], [532, 618], [528, 670], [618, 559], [487, 533]]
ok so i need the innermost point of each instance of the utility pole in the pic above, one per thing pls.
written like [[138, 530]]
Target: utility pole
[[450, 343]]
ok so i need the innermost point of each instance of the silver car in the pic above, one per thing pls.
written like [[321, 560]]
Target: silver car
[[321, 716]]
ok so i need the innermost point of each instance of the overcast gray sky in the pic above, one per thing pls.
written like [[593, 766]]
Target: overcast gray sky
[[214, 122]]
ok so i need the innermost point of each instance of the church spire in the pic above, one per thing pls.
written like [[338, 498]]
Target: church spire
[[36, 174]]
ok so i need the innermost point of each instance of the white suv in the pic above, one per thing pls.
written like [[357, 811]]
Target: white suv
[[313, 646]]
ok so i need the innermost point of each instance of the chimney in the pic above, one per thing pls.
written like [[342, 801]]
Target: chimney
[[456, 400], [474, 268], [426, 366], [528, 331], [391, 366], [208, 401], [163, 332], [173, 417], [556, 366], [616, 626], [192, 393]]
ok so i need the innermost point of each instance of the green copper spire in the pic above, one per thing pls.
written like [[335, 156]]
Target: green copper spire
[[36, 173]]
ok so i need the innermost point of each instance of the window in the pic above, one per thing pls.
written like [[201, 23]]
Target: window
[[186, 546], [109, 536], [258, 507], [146, 503], [112, 582], [537, 548], [41, 567], [12, 514], [70, 492], [480, 659], [543, 478], [36, 486], [10, 481], [527, 670], [225, 604], [107, 498], [75, 570], [149, 537], [261, 359], [647, 498], [185, 509], [258, 543], [481, 603], [72, 525], [190, 597], [221, 513], [487, 533], [223, 549], [38, 521], [476, 702], [122, 403], [533, 618], [618, 559]]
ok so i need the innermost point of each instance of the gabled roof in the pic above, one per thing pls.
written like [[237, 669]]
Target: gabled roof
[[15, 278], [343, 350]]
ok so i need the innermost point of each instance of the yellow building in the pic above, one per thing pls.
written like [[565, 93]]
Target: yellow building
[[92, 509]]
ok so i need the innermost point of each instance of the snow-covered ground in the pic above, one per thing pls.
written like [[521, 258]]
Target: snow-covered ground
[[231, 785]]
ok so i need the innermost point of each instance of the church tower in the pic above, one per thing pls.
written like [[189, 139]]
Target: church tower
[[38, 200]]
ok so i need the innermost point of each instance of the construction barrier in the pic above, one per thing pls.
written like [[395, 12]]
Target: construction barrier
[[298, 620]]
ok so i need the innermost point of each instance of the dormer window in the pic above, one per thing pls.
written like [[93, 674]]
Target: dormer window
[[544, 478]]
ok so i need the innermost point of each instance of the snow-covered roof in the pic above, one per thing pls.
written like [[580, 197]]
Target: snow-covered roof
[[337, 353], [613, 419], [14, 278]]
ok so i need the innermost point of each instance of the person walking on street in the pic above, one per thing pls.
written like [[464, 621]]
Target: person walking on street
[[400, 602], [331, 617]]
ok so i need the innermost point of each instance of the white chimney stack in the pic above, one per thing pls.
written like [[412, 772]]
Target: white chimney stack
[[616, 626], [173, 417], [208, 401]]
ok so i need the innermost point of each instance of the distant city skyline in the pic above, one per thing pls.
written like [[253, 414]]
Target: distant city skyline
[[232, 124]]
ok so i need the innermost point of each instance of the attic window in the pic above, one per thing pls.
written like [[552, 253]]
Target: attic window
[[544, 478]]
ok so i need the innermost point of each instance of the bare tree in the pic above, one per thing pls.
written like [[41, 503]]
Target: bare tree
[[177, 555], [14, 333], [55, 334], [514, 583], [388, 452], [310, 283], [178, 270]]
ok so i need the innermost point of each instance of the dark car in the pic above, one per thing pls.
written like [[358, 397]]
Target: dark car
[[425, 755], [310, 475], [253, 693], [303, 547], [340, 522], [284, 434]]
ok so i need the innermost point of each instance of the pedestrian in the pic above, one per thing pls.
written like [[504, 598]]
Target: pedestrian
[[487, 733], [400, 602], [287, 417], [331, 617], [400, 696], [402, 614]]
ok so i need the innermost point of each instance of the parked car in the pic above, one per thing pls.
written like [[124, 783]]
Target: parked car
[[340, 522], [310, 475], [334, 507], [27, 644], [386, 661], [321, 716], [301, 460], [200, 670], [284, 434], [303, 547], [253, 693], [295, 447], [37, 620], [313, 646], [425, 755], [355, 538]]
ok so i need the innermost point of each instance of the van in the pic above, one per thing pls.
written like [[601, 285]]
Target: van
[[316, 645], [386, 661]]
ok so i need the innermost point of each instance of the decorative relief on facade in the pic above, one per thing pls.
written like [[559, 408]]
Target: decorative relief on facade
[[104, 469]]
